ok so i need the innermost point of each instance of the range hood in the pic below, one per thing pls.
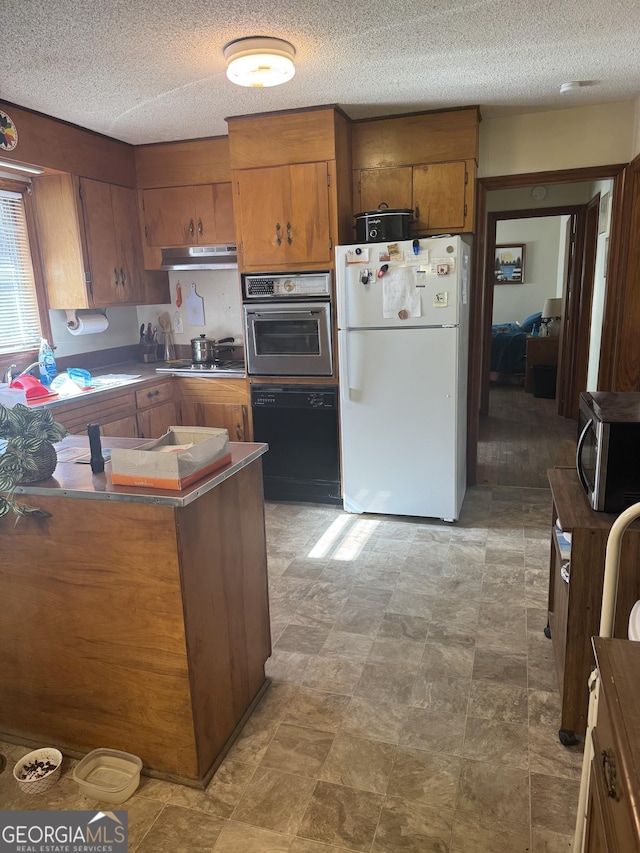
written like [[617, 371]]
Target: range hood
[[200, 258]]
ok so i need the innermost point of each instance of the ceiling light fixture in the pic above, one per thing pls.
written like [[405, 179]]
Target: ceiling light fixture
[[259, 61], [21, 167]]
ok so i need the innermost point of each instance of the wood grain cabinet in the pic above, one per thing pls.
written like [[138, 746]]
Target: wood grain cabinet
[[284, 214], [222, 403], [613, 799], [155, 409], [188, 216], [440, 194], [89, 235], [142, 412], [423, 161], [291, 176], [114, 411], [576, 577]]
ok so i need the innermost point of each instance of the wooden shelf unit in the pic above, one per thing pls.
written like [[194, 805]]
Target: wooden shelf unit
[[574, 607]]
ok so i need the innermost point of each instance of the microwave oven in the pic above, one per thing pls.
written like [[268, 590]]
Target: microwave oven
[[608, 449]]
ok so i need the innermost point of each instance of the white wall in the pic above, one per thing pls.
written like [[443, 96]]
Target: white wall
[[122, 331], [541, 237], [563, 253], [599, 288], [636, 130], [559, 139], [521, 198], [220, 290], [222, 314]]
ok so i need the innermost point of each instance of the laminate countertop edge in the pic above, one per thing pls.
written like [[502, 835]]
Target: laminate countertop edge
[[73, 480]]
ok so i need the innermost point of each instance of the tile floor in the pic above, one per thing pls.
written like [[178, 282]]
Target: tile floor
[[414, 703]]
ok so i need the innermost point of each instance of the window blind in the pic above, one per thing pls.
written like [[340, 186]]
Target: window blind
[[19, 318]]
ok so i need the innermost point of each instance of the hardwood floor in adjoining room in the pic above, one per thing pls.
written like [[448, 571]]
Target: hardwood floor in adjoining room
[[521, 438]]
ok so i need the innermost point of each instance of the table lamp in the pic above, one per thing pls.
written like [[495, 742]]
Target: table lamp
[[552, 317]]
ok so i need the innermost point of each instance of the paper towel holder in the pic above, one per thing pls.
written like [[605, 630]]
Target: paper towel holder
[[72, 316]]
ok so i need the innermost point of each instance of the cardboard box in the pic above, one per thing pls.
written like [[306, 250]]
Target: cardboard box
[[174, 461]]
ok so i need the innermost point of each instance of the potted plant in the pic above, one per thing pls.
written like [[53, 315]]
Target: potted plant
[[28, 455]]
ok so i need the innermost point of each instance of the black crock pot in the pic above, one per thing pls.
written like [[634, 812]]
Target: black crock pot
[[383, 225]]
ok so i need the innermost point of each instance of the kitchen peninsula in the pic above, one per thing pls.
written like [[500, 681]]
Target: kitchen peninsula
[[136, 619]]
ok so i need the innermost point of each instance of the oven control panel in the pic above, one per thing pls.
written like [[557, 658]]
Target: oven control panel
[[286, 285]]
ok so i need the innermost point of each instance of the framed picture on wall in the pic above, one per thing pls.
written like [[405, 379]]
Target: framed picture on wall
[[509, 264]]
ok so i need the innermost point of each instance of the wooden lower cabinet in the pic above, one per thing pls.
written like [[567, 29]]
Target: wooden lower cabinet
[[223, 415], [148, 410], [122, 428], [153, 632], [154, 422], [114, 411], [222, 403], [155, 409]]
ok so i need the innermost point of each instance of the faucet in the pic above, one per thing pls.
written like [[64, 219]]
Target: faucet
[[9, 377]]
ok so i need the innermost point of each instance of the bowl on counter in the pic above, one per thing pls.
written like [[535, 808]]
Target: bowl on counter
[[108, 775], [37, 771]]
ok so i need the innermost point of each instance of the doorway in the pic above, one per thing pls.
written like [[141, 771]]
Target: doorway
[[483, 289]]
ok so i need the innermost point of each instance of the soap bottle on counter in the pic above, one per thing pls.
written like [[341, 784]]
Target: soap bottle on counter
[[46, 363]]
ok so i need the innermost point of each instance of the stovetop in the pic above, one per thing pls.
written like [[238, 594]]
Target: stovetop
[[185, 367]]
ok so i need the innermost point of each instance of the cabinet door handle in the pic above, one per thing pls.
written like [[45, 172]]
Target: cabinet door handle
[[609, 773], [123, 277], [417, 211], [192, 229], [289, 238], [278, 237], [239, 435], [151, 394], [115, 273], [200, 228]]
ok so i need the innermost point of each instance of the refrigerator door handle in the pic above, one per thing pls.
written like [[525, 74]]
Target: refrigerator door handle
[[343, 356]]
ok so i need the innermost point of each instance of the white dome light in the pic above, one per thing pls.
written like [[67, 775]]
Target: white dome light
[[259, 61]]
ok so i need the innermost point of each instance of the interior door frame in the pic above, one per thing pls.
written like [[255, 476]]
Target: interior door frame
[[480, 282], [578, 308], [492, 223]]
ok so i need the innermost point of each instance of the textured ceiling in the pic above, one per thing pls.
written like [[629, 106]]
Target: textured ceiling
[[153, 70]]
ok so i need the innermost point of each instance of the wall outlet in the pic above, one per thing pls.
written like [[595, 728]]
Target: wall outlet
[[177, 323]]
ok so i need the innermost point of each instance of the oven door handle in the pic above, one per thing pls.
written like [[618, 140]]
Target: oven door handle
[[283, 315]]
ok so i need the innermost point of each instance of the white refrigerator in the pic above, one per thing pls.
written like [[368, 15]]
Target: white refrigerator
[[403, 330]]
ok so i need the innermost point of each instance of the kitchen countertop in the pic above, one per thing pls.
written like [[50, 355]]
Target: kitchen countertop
[[141, 373], [76, 480]]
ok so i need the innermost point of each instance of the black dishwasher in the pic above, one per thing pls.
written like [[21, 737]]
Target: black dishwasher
[[300, 425]]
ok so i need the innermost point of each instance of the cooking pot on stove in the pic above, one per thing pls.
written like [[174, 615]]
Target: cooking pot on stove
[[205, 350], [383, 225]]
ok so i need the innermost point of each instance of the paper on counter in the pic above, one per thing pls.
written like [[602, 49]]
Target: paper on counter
[[399, 294]]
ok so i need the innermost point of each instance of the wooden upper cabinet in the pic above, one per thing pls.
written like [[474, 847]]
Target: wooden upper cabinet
[[374, 187], [113, 243], [283, 214], [128, 244], [90, 240], [440, 194], [189, 216], [439, 197]]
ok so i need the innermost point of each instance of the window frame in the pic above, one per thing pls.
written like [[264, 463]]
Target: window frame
[[25, 357]]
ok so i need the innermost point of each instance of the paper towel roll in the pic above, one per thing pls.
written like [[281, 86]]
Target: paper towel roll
[[90, 325]]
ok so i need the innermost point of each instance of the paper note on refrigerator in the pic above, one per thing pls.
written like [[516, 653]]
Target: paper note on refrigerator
[[400, 299]]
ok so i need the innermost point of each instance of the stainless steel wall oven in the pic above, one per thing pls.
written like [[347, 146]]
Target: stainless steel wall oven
[[287, 319]]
